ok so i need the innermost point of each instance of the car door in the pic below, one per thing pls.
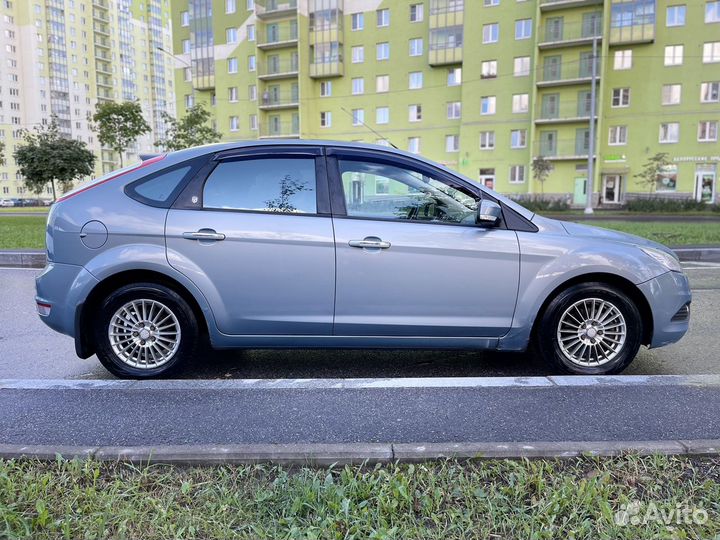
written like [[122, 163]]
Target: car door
[[253, 231], [411, 260]]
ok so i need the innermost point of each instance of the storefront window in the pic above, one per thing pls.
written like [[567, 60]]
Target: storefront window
[[667, 179]]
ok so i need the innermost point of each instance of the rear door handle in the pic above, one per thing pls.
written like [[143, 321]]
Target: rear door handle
[[369, 243], [204, 234]]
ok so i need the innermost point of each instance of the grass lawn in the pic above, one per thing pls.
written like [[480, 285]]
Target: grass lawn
[[540, 499], [670, 233], [22, 232], [24, 209]]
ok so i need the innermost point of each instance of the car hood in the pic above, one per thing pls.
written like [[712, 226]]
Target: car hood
[[598, 233]]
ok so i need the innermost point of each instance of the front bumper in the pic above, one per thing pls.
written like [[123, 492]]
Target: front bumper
[[62, 288], [667, 295]]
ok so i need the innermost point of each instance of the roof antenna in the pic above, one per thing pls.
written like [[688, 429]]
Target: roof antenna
[[371, 129]]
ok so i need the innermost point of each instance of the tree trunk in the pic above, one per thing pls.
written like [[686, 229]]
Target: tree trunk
[[52, 183], [121, 161]]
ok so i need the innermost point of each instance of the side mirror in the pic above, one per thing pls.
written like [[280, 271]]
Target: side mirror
[[488, 213]]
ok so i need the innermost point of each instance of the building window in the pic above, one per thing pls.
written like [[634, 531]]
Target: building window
[[708, 131], [523, 29], [669, 132], [518, 138], [491, 33], [667, 179], [618, 135], [520, 103], [249, 4], [454, 110], [671, 94], [710, 92], [358, 54], [416, 13], [382, 115], [325, 88], [487, 105], [383, 51], [186, 46], [325, 119], [232, 65], [454, 77], [414, 145], [234, 123], [623, 59], [674, 55], [382, 83], [517, 174], [488, 69], [415, 80], [189, 101], [231, 35], [521, 66], [232, 94], [251, 32], [487, 140], [621, 97], [230, 6], [452, 143], [184, 19], [358, 86], [358, 117], [383, 17], [414, 113], [357, 21], [188, 74], [712, 11], [416, 47], [491, 3], [675, 16], [711, 52], [251, 62]]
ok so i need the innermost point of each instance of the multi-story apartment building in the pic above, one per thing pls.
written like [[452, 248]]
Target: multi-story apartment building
[[484, 86], [61, 57]]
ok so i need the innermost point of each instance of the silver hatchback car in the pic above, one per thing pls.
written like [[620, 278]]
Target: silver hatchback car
[[270, 244]]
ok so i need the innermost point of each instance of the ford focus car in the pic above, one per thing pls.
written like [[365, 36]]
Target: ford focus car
[[314, 244]]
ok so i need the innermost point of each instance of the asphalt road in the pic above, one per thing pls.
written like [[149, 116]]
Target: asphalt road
[[30, 350]]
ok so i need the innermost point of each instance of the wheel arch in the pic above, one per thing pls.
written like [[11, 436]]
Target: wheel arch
[[614, 280], [84, 340]]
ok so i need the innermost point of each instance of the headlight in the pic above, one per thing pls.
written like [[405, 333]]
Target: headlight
[[667, 260]]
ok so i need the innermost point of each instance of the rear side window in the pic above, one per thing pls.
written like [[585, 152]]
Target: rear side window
[[160, 188], [285, 185]]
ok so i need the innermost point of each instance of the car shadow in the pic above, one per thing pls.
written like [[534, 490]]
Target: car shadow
[[324, 364]]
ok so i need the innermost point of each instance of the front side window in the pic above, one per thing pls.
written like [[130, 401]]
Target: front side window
[[284, 185], [380, 191]]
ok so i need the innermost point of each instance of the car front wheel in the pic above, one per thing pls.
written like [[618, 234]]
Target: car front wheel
[[590, 329], [145, 330]]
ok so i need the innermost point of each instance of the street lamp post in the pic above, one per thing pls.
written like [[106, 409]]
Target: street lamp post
[[182, 61]]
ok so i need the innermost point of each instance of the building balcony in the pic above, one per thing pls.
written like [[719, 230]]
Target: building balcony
[[279, 101], [101, 41], [555, 36], [102, 4], [272, 70], [553, 5], [573, 73], [564, 113], [278, 38], [101, 29], [326, 34], [275, 9], [332, 67], [100, 16], [279, 130], [636, 33], [562, 149], [441, 56]]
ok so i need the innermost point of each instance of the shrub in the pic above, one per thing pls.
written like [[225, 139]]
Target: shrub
[[659, 204], [538, 203]]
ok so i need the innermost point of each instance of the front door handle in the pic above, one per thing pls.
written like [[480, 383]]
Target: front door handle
[[371, 242], [204, 234]]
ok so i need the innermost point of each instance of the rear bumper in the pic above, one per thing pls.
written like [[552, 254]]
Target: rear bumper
[[63, 287], [667, 294]]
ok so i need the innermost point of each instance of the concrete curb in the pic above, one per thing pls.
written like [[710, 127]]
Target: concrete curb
[[37, 259], [355, 453]]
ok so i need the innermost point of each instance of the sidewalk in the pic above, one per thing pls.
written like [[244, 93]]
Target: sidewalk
[[351, 420]]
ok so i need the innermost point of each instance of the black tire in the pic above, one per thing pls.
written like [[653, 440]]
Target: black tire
[[546, 335], [189, 332]]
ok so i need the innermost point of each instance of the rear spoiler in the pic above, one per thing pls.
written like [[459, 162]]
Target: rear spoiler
[[145, 157]]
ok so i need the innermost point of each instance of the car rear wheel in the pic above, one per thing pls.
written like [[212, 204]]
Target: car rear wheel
[[590, 329], [145, 330]]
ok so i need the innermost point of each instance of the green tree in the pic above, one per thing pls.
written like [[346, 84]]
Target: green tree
[[46, 156], [119, 124], [652, 170], [193, 129], [541, 168]]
